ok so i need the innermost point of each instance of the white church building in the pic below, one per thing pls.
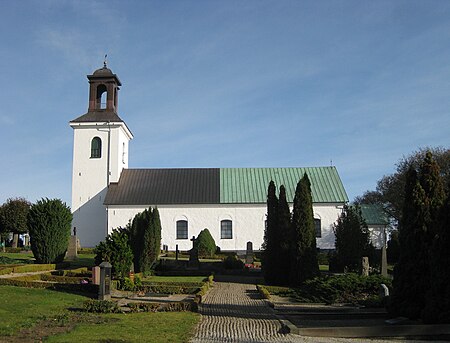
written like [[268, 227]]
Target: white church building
[[230, 202]]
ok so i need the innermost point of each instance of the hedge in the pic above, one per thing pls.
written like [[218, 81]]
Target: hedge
[[27, 268], [30, 283]]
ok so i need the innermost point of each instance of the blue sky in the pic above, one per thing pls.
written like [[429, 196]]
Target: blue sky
[[226, 84]]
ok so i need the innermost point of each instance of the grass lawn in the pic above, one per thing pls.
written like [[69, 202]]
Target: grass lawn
[[137, 327], [36, 313], [23, 307], [324, 267]]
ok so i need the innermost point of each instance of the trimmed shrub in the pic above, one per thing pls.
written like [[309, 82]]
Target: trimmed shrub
[[101, 306], [143, 307], [205, 244], [49, 226], [233, 262], [117, 251]]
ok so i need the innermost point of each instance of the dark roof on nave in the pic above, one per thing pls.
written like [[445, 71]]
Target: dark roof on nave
[[220, 185]]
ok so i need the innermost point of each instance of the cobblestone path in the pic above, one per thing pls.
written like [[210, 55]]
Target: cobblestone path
[[234, 312]]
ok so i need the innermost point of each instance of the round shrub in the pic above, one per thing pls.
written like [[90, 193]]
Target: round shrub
[[49, 226], [205, 244]]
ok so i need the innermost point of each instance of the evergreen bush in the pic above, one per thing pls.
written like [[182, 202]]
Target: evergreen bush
[[205, 244], [116, 250], [49, 224], [352, 240]]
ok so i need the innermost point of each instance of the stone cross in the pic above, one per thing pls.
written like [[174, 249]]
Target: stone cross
[[193, 253]]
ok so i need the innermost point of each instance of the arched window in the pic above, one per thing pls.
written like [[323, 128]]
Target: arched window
[[226, 229], [318, 227], [182, 229], [96, 147]]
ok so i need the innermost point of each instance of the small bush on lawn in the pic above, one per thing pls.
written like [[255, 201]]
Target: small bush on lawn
[[233, 262], [101, 306], [205, 244]]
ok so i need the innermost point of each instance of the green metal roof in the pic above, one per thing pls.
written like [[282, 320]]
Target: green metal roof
[[374, 214], [249, 185]]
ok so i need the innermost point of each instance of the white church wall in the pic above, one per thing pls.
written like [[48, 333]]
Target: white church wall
[[89, 177], [248, 222]]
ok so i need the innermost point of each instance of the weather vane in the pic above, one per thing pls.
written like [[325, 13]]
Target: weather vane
[[105, 62]]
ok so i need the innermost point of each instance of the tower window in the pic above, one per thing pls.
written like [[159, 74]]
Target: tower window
[[226, 229], [182, 229], [101, 96], [96, 147]]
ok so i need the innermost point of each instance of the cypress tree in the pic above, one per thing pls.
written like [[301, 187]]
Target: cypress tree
[[304, 263], [270, 245], [285, 237], [146, 239]]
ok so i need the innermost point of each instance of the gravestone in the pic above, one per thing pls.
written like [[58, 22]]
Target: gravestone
[[72, 249], [177, 252], [96, 275], [193, 255], [104, 291], [249, 253], [384, 261], [26, 241], [365, 266]]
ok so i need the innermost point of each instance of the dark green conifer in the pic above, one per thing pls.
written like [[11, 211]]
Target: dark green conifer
[[49, 223], [285, 237], [304, 263], [352, 239], [270, 244]]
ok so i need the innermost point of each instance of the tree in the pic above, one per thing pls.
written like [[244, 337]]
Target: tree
[[270, 244], [393, 247], [418, 236], [352, 238], [285, 236], [205, 244], [304, 263], [13, 217], [145, 239], [49, 222], [390, 191], [116, 250], [437, 299]]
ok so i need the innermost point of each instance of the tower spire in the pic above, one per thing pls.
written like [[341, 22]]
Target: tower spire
[[105, 62]]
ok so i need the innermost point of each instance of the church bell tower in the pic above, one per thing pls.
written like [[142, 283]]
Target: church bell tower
[[100, 153]]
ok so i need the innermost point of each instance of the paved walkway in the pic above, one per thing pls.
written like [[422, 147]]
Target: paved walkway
[[235, 312]]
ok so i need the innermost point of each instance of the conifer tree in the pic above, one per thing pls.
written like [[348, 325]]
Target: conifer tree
[[270, 245], [304, 263], [146, 239], [285, 237], [49, 223], [419, 241]]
